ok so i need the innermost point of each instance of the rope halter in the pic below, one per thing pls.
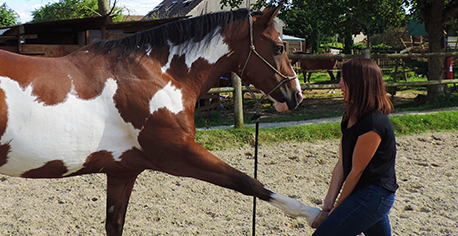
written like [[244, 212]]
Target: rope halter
[[253, 50]]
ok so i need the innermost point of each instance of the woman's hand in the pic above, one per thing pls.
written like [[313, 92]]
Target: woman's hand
[[328, 205]]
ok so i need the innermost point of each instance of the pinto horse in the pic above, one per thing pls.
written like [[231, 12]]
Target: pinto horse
[[123, 106], [310, 65]]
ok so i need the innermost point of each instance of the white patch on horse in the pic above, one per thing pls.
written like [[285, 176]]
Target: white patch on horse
[[169, 97], [294, 208], [69, 131], [211, 52], [298, 84]]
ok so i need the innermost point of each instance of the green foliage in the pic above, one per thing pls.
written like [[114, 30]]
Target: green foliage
[[359, 46], [391, 38], [333, 44], [320, 20], [8, 16], [379, 48], [307, 19], [70, 9]]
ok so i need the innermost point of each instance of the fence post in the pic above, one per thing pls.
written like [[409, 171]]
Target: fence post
[[367, 53], [238, 101]]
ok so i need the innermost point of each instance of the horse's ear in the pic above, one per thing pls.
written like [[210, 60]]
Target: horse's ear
[[269, 15]]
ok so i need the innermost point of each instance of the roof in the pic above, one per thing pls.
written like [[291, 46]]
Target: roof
[[291, 38], [172, 8], [416, 28]]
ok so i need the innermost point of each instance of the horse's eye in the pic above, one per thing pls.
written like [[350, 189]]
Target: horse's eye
[[278, 49]]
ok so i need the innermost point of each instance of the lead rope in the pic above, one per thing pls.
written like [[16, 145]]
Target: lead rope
[[257, 114]]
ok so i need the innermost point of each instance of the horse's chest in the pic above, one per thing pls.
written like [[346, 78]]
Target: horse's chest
[[70, 131]]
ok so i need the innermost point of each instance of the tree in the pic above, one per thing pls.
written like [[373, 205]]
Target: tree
[[8, 16], [316, 20], [104, 7], [306, 19], [367, 16], [434, 13], [72, 9], [303, 19]]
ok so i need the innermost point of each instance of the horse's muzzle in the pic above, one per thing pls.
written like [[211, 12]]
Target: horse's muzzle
[[291, 102]]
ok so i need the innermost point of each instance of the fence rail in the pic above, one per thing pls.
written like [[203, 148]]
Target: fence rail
[[335, 86], [238, 110], [373, 56]]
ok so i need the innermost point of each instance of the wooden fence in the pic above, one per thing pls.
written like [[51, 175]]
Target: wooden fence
[[373, 56], [238, 103]]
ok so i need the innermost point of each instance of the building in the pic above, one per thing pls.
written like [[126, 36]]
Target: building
[[190, 8], [59, 38], [293, 44]]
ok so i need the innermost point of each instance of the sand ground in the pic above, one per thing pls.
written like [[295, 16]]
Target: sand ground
[[426, 202]]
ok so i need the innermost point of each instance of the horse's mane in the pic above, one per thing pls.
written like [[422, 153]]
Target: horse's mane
[[177, 32]]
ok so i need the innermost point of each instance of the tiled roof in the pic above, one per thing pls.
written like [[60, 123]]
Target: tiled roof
[[172, 8]]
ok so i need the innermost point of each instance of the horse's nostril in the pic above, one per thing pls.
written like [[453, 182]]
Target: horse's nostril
[[299, 97]]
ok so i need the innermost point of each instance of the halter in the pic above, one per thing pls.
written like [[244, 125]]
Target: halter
[[253, 49]]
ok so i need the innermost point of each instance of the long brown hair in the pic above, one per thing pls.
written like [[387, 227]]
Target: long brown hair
[[365, 89]]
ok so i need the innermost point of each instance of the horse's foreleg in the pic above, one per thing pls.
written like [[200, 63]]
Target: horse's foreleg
[[194, 161], [309, 76], [118, 194]]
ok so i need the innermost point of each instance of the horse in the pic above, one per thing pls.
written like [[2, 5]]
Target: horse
[[310, 65], [123, 106]]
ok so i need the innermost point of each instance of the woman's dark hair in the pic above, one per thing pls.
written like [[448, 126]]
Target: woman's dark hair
[[365, 89]]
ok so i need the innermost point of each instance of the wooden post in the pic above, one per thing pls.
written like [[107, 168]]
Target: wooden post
[[238, 101], [367, 53]]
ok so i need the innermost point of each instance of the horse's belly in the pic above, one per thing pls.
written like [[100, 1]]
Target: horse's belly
[[68, 132]]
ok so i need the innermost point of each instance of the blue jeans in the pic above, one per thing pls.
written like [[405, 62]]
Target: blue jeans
[[364, 211]]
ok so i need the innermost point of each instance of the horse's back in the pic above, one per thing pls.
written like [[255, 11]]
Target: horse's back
[[318, 64]]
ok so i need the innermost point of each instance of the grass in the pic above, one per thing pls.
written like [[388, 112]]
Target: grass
[[402, 125]]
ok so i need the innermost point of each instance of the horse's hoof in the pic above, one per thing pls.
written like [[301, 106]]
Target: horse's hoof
[[319, 219]]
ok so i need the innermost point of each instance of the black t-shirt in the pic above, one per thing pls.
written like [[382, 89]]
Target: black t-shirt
[[381, 169]]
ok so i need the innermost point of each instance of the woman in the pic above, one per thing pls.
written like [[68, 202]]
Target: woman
[[365, 172]]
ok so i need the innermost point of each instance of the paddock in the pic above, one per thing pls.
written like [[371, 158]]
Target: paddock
[[161, 204]]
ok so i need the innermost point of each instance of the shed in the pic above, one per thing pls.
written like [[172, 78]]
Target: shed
[[59, 38], [293, 43]]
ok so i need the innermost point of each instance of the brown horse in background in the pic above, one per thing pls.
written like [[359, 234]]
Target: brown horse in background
[[313, 65]]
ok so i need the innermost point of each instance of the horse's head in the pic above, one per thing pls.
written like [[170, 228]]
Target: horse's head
[[263, 61]]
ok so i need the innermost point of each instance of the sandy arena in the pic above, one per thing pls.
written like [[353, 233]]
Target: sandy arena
[[426, 202]]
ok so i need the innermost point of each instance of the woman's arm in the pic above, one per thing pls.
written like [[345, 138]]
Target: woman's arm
[[336, 183], [365, 148]]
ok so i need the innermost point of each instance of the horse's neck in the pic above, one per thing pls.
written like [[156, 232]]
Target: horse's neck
[[203, 61]]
